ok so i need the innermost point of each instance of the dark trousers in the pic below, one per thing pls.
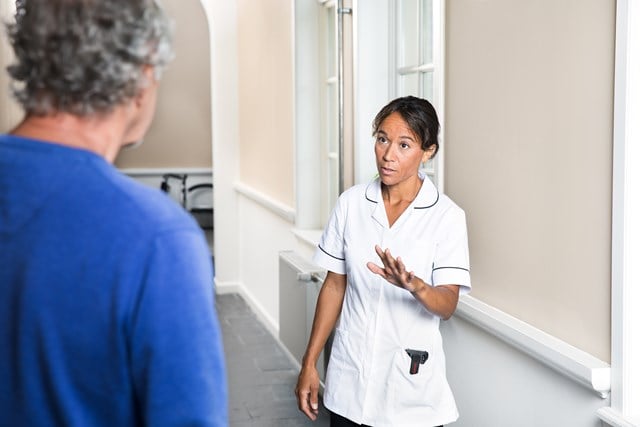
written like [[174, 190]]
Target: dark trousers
[[340, 421]]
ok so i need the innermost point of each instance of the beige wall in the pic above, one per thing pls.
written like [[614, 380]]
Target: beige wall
[[180, 135], [528, 156], [265, 80], [10, 111]]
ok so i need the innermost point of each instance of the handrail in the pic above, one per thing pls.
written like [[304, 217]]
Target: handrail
[[570, 361]]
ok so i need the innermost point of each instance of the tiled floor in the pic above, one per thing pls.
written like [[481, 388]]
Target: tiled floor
[[261, 377]]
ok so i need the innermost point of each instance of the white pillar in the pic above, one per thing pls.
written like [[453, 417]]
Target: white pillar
[[625, 292], [223, 31]]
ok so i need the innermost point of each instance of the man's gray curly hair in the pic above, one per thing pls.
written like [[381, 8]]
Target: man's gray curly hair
[[85, 56]]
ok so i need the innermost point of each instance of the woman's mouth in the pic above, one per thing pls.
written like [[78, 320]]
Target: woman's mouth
[[386, 171]]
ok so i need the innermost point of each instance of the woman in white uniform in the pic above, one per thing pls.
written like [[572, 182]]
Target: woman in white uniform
[[397, 258]]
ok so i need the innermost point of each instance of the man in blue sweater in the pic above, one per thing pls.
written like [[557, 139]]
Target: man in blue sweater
[[106, 291]]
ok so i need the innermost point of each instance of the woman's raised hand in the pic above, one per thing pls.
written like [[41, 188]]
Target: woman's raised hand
[[393, 270]]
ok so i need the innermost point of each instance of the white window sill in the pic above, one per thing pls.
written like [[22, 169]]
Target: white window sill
[[310, 237]]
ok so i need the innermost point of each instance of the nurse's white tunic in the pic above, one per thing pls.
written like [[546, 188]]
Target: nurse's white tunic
[[368, 378]]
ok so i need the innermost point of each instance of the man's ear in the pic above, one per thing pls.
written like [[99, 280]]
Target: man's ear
[[149, 80]]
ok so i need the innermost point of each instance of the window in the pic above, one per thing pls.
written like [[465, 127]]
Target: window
[[391, 48], [336, 58], [329, 101], [417, 59]]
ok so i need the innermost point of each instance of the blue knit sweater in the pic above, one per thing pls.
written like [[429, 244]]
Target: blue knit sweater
[[106, 298]]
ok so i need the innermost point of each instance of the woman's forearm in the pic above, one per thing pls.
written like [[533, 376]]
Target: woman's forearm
[[440, 300], [328, 309]]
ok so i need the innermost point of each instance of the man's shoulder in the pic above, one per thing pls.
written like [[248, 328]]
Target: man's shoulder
[[146, 206]]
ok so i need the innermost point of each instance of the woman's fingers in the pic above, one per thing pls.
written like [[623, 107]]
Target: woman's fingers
[[393, 269], [394, 265], [376, 269], [406, 276], [385, 257], [304, 406], [307, 393], [308, 403]]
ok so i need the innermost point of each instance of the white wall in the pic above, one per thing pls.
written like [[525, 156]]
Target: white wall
[[496, 385], [266, 230]]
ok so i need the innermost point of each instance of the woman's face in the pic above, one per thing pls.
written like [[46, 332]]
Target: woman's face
[[398, 151]]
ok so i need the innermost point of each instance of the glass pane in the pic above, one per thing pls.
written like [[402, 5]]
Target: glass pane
[[407, 33], [333, 184], [408, 85], [332, 35], [427, 85], [429, 167], [332, 117], [426, 27], [434, 178]]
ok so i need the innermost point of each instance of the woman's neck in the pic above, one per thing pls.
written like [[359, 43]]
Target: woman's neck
[[403, 192], [397, 198]]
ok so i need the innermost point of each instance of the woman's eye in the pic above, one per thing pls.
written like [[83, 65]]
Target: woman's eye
[[381, 139], [404, 145]]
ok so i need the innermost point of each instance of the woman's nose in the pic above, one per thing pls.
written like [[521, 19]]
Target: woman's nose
[[388, 152]]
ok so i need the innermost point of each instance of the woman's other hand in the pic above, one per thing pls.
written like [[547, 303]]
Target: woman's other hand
[[328, 309], [307, 391]]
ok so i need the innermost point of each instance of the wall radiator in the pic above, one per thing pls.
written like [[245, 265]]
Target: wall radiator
[[300, 283]]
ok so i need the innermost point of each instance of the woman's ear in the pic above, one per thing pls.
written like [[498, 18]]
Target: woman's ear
[[428, 153]]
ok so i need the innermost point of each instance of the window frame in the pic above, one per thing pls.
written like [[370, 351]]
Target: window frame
[[625, 233], [435, 168], [372, 88], [328, 52]]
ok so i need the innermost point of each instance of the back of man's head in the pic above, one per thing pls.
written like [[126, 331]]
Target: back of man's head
[[85, 57]]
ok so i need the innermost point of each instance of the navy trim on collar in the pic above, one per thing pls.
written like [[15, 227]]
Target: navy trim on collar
[[432, 204], [427, 197], [373, 186]]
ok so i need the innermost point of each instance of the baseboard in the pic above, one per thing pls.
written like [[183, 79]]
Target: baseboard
[[223, 288]]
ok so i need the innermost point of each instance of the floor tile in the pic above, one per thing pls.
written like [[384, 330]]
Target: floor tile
[[261, 377]]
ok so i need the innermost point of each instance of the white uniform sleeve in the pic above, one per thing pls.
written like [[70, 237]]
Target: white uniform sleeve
[[330, 251], [451, 261]]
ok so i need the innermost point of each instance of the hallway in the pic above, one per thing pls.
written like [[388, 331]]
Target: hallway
[[260, 375]]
